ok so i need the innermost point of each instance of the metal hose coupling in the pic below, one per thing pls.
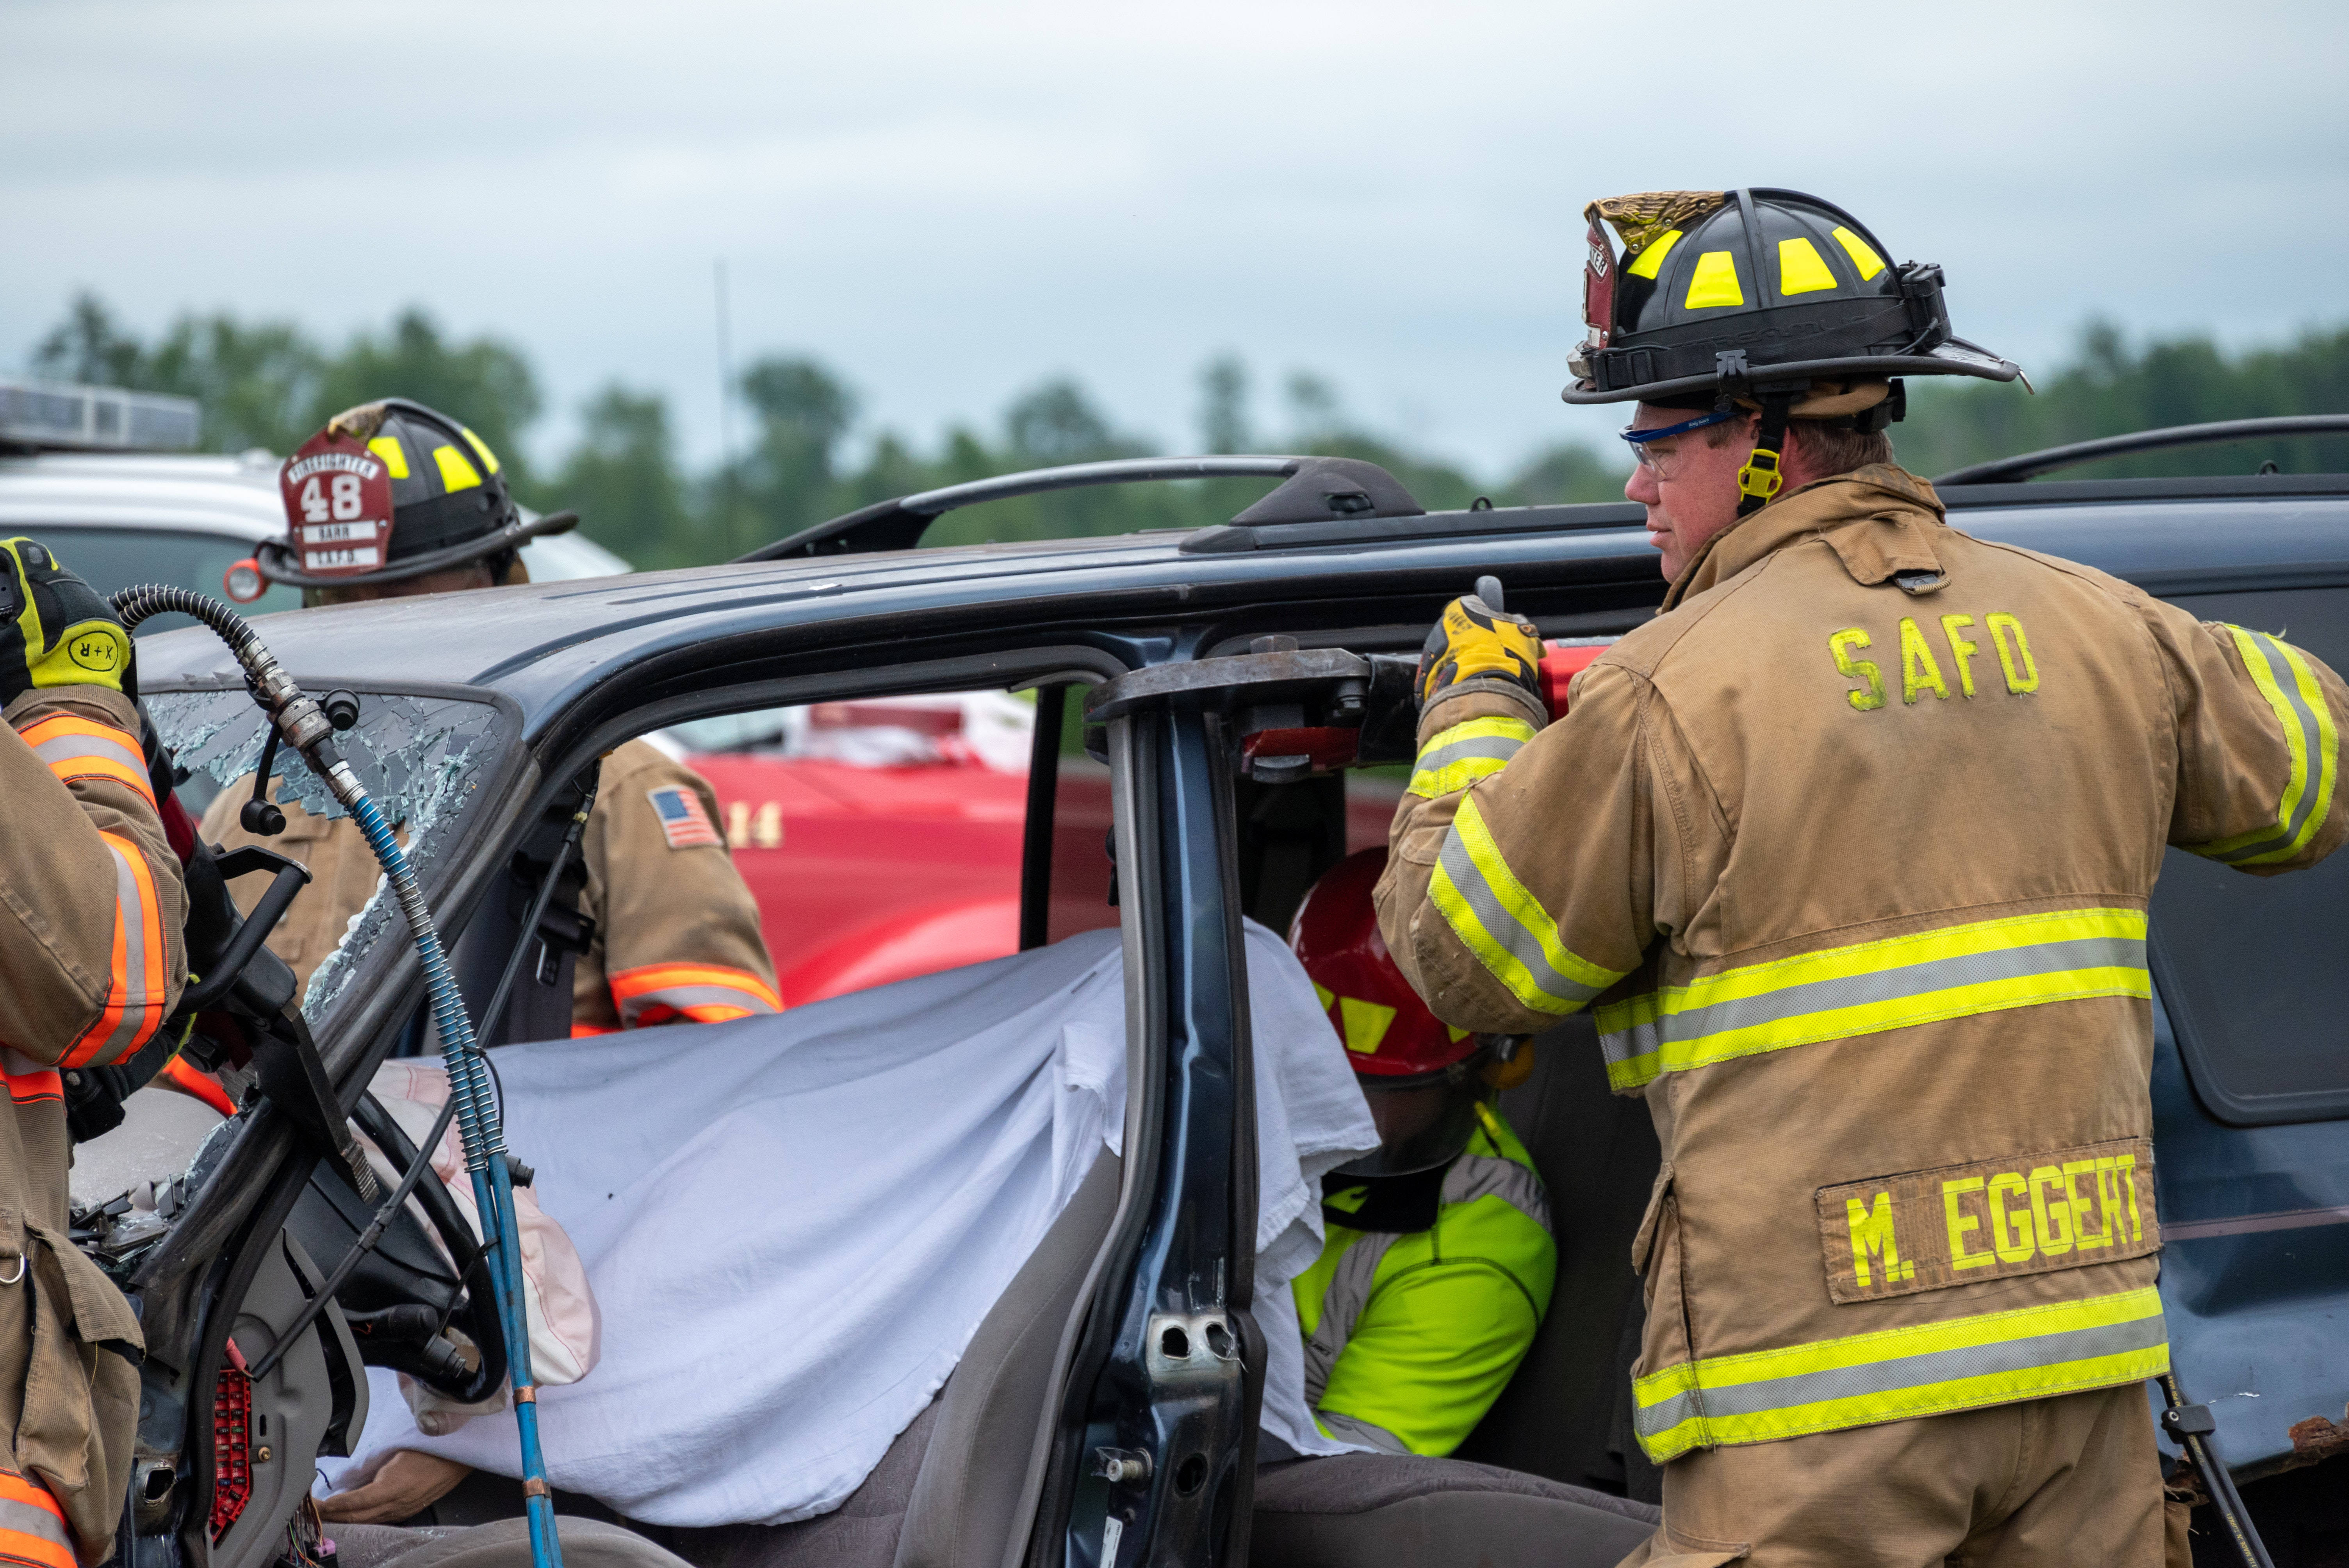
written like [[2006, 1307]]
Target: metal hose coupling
[[302, 722]]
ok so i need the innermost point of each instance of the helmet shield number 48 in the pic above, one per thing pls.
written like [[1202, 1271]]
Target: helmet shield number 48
[[337, 498]]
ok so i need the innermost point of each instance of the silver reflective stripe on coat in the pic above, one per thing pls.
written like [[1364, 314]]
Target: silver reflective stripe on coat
[[1843, 992], [1354, 1430], [1502, 927], [1449, 765], [66, 748], [1348, 1293], [1725, 1402], [31, 1519], [131, 919], [679, 998], [2312, 759], [1474, 1176]]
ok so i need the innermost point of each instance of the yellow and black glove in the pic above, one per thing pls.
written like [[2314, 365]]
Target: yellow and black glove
[[55, 629], [1475, 648]]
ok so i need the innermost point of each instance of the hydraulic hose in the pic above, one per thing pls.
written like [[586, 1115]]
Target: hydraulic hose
[[307, 729]]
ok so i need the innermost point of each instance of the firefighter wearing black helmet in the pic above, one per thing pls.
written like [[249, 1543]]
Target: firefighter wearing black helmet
[[394, 499], [1848, 854]]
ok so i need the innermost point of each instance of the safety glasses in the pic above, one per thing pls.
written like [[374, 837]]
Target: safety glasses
[[1643, 443]]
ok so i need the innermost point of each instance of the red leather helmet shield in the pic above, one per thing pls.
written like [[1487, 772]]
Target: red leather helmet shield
[[337, 499], [1387, 1030]]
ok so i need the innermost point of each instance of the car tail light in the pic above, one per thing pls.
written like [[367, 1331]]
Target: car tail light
[[242, 581], [231, 1443]]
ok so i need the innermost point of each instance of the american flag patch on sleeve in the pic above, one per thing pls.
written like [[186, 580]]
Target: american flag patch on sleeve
[[683, 821]]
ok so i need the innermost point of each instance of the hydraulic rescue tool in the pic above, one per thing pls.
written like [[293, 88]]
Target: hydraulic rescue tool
[[301, 723]]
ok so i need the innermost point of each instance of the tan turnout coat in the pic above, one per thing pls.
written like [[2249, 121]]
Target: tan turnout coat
[[92, 959], [677, 933], [1851, 848]]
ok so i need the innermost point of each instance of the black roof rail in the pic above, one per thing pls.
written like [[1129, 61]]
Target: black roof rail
[[1318, 489], [2007, 470]]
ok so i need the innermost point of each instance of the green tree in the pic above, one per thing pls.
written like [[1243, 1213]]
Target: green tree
[[256, 382], [2112, 388], [788, 481], [1565, 473], [1224, 406], [90, 349], [624, 481]]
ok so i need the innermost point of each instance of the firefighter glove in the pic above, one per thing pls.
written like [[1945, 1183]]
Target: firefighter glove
[[1475, 648], [54, 630]]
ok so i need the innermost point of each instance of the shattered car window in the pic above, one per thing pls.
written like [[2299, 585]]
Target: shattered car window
[[423, 758]]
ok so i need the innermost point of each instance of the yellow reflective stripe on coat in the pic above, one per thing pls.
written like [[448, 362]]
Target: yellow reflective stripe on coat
[[1458, 756], [2284, 678], [1985, 966], [1500, 921], [1894, 1375]]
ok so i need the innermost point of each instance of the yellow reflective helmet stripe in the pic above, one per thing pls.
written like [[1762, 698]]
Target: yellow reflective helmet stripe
[[394, 455], [1800, 268], [1498, 918], [1863, 254], [1957, 1364], [1714, 282], [1652, 260], [1838, 993], [1366, 1024], [1456, 757], [2284, 678], [489, 457], [456, 473]]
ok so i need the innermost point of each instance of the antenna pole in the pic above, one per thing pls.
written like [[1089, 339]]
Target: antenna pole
[[725, 415]]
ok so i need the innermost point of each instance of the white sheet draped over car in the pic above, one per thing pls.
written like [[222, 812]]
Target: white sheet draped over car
[[793, 1224]]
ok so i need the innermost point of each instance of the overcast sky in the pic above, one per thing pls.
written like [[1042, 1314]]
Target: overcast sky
[[951, 201]]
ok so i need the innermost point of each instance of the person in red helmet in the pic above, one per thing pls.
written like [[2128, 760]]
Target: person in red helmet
[[1439, 1262]]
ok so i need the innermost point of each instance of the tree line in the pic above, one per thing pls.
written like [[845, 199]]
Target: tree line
[[270, 384]]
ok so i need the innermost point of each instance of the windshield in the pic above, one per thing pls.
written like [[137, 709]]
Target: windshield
[[425, 760]]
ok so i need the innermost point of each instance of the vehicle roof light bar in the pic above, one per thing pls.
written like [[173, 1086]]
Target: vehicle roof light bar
[[1318, 489], [56, 416], [2009, 471]]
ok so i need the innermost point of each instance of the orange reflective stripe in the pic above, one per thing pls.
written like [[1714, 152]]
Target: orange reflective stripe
[[32, 1526], [589, 1031], [704, 993], [74, 747], [134, 1001], [192, 1080], [29, 1081]]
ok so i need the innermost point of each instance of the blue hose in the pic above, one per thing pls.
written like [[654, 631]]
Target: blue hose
[[299, 720], [479, 1126]]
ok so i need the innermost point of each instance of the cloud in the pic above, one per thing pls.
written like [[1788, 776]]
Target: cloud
[[949, 201]]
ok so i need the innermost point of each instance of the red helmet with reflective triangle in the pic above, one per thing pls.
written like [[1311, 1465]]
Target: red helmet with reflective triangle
[[1388, 1031]]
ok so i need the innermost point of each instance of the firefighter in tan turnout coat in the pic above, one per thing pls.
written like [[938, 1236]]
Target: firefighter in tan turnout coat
[[677, 936], [91, 962], [1850, 851]]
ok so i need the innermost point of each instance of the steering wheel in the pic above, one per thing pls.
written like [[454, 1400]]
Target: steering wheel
[[477, 1313]]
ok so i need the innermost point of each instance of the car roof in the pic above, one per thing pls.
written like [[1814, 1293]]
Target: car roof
[[233, 497], [544, 644]]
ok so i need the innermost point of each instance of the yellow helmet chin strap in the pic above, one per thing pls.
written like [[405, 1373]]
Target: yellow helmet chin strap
[[1762, 475]]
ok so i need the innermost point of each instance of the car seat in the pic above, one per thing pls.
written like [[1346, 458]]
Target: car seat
[[1540, 1479], [1566, 1413]]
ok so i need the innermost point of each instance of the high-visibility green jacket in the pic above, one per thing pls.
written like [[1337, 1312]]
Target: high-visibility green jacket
[[1410, 1334]]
